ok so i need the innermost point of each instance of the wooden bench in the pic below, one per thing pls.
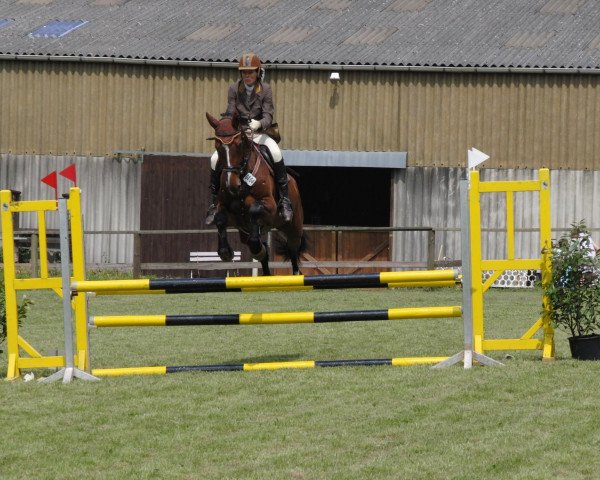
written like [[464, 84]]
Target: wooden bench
[[212, 257]]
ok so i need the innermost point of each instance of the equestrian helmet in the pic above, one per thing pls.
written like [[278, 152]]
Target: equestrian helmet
[[249, 61]]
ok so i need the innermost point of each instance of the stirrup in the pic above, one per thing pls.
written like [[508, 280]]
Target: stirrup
[[210, 214]]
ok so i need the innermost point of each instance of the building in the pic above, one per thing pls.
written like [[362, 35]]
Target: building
[[120, 88]]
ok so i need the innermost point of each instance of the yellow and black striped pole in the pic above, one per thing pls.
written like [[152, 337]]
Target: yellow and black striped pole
[[248, 367], [290, 282], [273, 318]]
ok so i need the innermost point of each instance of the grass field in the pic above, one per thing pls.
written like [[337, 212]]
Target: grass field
[[527, 420]]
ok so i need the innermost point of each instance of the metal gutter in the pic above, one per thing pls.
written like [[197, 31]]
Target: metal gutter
[[299, 66]]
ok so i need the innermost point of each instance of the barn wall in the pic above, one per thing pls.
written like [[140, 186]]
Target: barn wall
[[429, 197], [95, 109], [110, 198], [421, 197]]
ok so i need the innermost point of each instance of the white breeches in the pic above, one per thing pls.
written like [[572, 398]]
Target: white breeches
[[260, 139]]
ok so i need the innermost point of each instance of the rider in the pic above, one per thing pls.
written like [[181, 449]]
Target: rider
[[251, 97]]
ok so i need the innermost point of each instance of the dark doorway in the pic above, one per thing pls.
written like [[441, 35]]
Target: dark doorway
[[174, 196], [345, 196]]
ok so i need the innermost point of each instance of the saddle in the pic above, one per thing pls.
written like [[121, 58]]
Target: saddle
[[266, 154], [273, 132]]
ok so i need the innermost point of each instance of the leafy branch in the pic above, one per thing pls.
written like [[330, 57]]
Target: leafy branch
[[22, 310]]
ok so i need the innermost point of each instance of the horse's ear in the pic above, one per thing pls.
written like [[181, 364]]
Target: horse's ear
[[212, 120], [235, 120]]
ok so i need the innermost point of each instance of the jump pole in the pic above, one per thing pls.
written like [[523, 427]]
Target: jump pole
[[239, 284], [274, 318], [248, 367]]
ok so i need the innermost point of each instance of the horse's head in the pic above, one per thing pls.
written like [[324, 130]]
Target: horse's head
[[233, 147]]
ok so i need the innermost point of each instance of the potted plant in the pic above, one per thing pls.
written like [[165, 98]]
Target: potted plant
[[574, 291]]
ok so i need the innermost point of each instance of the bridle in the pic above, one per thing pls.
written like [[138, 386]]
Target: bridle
[[226, 139], [242, 168]]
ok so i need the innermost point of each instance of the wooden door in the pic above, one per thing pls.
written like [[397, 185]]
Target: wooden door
[[175, 196]]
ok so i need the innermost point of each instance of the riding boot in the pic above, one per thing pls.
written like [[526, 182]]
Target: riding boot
[[285, 206], [214, 189]]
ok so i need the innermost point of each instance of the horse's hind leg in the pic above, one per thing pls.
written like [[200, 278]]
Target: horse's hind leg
[[264, 263], [294, 246], [294, 252], [295, 265], [224, 249]]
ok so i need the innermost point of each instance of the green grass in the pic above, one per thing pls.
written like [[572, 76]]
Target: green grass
[[527, 420]]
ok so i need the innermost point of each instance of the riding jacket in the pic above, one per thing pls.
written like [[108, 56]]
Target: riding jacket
[[258, 106]]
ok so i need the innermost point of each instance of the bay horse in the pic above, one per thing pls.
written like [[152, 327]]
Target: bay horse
[[247, 197]]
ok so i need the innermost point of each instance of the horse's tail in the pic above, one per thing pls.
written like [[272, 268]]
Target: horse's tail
[[282, 247]]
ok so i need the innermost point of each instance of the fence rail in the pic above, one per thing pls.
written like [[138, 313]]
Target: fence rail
[[28, 240]]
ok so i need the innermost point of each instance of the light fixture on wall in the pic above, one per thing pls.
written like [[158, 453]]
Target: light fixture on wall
[[334, 78]]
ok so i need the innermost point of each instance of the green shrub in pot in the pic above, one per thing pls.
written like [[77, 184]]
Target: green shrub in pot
[[574, 287]]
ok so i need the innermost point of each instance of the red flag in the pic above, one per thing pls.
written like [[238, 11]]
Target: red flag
[[70, 173], [51, 180]]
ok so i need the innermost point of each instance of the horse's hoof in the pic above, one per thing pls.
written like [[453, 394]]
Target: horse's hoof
[[226, 254]]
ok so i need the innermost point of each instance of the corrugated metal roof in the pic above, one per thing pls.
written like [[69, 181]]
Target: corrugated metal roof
[[562, 6], [529, 39], [333, 4], [212, 32], [409, 5], [422, 33], [290, 35]]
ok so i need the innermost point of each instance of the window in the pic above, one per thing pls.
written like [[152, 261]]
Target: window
[[4, 22], [57, 28]]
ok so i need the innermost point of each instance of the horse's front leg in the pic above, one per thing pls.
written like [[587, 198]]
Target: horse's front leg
[[224, 249], [256, 246]]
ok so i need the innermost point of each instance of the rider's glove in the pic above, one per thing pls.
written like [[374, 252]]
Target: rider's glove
[[255, 125]]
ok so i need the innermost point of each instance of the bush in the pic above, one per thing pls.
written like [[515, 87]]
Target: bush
[[574, 288], [22, 309]]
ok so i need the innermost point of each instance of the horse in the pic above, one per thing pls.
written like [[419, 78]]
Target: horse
[[247, 197]]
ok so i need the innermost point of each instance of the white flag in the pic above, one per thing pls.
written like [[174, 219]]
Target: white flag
[[475, 157]]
